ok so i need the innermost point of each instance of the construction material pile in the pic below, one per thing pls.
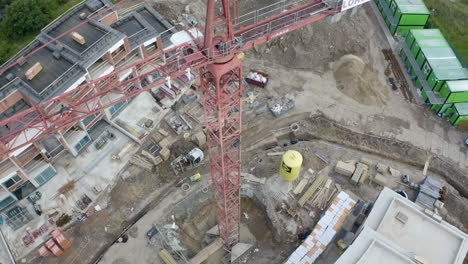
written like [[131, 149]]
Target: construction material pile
[[358, 171], [280, 105], [429, 192], [324, 231], [257, 78]]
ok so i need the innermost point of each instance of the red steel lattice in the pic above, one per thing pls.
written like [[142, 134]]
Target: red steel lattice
[[221, 82]]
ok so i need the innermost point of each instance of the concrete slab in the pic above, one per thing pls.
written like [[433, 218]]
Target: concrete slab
[[213, 231], [239, 250], [413, 235]]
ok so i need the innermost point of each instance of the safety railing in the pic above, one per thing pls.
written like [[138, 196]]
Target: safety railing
[[282, 23], [266, 12]]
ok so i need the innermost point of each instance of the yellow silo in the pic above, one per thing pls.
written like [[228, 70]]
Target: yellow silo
[[291, 165]]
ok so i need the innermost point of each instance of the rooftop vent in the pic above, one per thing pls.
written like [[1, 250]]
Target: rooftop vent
[[21, 60], [83, 16], [78, 38], [56, 55], [58, 46], [10, 76], [33, 71], [401, 217]]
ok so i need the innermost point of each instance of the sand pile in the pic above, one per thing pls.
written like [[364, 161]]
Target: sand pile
[[355, 79]]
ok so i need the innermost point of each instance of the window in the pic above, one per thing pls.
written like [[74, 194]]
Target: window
[[113, 109], [82, 143], [90, 118], [426, 68], [46, 175], [5, 202], [12, 181]]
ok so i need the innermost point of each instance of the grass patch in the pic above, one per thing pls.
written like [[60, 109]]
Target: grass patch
[[451, 17], [10, 47]]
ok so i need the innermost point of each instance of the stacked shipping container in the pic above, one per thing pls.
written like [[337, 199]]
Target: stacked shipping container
[[403, 15], [442, 70], [445, 80]]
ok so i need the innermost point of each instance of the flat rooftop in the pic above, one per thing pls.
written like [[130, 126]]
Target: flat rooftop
[[420, 235], [129, 26], [154, 19], [90, 32], [52, 69]]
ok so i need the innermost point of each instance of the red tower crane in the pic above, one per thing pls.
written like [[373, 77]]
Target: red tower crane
[[215, 56]]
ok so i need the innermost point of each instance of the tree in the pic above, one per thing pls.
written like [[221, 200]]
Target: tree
[[24, 17]]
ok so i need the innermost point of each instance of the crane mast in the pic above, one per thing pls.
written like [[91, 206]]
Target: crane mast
[[221, 84]]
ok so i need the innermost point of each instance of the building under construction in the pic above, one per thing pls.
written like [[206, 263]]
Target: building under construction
[[104, 43]]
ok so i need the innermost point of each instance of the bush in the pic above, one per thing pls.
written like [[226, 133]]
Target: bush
[[23, 17]]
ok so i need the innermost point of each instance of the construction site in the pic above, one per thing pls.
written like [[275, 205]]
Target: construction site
[[234, 131]]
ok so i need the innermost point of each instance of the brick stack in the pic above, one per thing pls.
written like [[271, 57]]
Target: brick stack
[[57, 244], [324, 231]]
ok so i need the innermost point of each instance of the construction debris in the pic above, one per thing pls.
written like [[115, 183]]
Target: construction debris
[[121, 154], [394, 172], [312, 189], [270, 154], [364, 176], [380, 179], [280, 105], [367, 161], [345, 168], [167, 257], [207, 251], [257, 78], [165, 153], [164, 143], [300, 187], [200, 139], [251, 178], [360, 170], [141, 162], [321, 197], [429, 192], [177, 123], [239, 250], [381, 168]]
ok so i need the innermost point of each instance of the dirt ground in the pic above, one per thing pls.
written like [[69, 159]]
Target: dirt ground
[[333, 70]]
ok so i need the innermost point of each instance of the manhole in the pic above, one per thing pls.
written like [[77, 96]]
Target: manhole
[[294, 127]]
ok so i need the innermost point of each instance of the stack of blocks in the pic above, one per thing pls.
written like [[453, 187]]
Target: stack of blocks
[[324, 231]]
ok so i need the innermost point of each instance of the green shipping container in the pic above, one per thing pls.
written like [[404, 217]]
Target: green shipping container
[[438, 76], [442, 109], [402, 30], [427, 44], [459, 114], [455, 91], [420, 34], [410, 12]]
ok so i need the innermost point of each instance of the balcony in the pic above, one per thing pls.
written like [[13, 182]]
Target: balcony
[[99, 69], [27, 155], [53, 148], [7, 168], [77, 139]]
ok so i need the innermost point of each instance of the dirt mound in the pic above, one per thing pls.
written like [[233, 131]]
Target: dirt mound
[[314, 46], [355, 79]]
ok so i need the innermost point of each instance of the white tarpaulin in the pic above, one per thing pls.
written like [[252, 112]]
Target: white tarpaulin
[[347, 4]]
